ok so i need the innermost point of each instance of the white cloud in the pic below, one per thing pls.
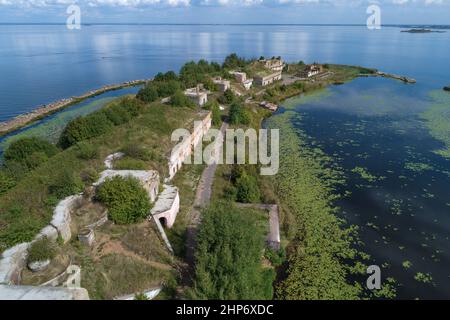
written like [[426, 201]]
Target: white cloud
[[184, 3]]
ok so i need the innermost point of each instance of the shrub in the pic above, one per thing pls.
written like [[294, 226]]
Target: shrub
[[140, 296], [6, 182], [180, 100], [84, 128], [35, 160], [89, 175], [148, 94], [30, 152], [275, 257], [247, 189], [137, 152], [41, 250], [125, 198], [117, 114], [87, 151], [129, 164], [227, 97], [216, 115], [238, 114], [228, 256], [65, 184]]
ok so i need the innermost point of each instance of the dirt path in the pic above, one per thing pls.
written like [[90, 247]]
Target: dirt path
[[202, 199]]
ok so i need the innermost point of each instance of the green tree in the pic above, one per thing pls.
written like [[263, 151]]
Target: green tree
[[216, 114], [30, 152], [247, 189], [228, 257], [238, 114], [126, 200], [179, 99]]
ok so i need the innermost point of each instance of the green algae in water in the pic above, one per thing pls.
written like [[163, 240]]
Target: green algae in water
[[364, 174], [438, 120], [51, 129], [418, 167]]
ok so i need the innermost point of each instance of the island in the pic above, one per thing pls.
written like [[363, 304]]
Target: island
[[115, 204], [447, 88], [422, 30]]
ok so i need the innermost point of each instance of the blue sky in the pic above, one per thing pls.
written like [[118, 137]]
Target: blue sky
[[227, 11]]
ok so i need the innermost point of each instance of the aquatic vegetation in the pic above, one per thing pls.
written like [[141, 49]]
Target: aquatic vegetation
[[437, 118], [323, 259], [407, 264], [366, 175], [423, 277], [51, 128], [418, 167]]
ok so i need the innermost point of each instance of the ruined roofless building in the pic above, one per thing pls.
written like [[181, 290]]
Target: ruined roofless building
[[184, 149], [198, 94]]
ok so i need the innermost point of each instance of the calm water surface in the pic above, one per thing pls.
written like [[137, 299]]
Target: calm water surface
[[373, 124]]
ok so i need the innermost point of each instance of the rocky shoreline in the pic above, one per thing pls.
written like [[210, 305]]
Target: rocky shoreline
[[45, 110], [390, 76]]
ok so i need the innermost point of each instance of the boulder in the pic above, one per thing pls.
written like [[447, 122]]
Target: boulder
[[37, 266]]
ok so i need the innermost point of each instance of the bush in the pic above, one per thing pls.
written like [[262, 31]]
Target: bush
[[159, 88], [31, 152], [180, 100], [228, 97], [125, 198], [148, 94], [6, 182], [41, 250], [275, 257], [89, 176], [233, 61], [238, 114], [216, 114], [84, 128], [87, 151], [117, 114], [137, 152], [65, 184], [247, 189], [129, 164], [228, 256]]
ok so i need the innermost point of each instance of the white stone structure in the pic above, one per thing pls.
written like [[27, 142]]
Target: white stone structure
[[247, 84], [61, 216], [167, 206], [12, 261], [42, 293], [197, 94], [109, 161], [274, 64], [149, 179], [264, 80], [184, 149], [222, 84]]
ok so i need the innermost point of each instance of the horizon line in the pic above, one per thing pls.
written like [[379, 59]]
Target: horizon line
[[229, 24]]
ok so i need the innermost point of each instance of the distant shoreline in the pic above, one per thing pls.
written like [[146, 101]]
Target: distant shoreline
[[427, 26], [38, 113]]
